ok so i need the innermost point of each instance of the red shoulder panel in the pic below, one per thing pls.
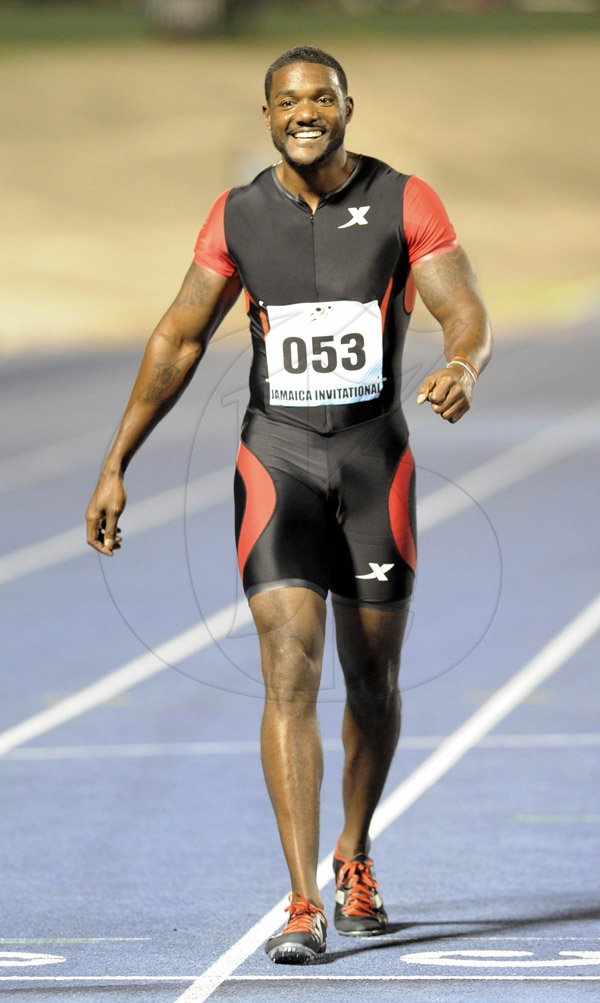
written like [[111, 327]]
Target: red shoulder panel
[[211, 246], [428, 230]]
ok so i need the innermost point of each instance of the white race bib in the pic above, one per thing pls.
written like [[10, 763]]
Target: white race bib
[[324, 353]]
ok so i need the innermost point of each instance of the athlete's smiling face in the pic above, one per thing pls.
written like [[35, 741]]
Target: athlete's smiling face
[[307, 113]]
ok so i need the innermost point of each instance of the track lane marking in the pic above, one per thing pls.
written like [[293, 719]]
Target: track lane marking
[[505, 469], [138, 670], [68, 940], [74, 453], [549, 659], [514, 464], [242, 747], [53, 460], [157, 510], [305, 978], [552, 657]]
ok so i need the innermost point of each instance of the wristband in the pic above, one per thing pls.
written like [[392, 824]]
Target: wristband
[[466, 365], [463, 358]]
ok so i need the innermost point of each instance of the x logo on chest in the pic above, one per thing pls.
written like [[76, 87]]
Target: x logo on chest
[[357, 217]]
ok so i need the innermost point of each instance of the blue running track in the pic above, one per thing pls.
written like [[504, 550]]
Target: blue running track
[[138, 848]]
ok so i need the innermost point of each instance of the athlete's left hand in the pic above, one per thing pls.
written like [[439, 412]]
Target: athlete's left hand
[[449, 392]]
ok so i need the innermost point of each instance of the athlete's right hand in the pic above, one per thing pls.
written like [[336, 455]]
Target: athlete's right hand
[[102, 514]]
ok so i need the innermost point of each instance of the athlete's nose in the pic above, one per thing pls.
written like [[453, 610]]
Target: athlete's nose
[[306, 112]]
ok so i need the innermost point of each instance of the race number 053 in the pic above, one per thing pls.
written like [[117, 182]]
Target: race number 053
[[324, 357]]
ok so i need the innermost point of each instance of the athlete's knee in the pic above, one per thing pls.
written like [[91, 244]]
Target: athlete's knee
[[291, 670], [370, 636], [291, 626], [372, 688]]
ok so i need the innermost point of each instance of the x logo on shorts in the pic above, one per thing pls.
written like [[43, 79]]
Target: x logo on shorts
[[378, 571]]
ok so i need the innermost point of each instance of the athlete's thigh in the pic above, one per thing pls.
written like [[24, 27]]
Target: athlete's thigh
[[376, 551], [281, 510]]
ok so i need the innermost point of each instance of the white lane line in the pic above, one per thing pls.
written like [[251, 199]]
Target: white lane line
[[47, 753], [175, 503], [522, 460], [78, 452], [552, 656], [304, 978], [583, 740], [189, 642], [138, 751], [61, 941], [53, 460], [506, 468]]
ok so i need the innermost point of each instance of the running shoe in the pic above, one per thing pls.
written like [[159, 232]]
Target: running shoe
[[359, 910], [303, 937]]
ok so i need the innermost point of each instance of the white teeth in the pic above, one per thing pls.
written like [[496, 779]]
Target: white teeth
[[307, 135]]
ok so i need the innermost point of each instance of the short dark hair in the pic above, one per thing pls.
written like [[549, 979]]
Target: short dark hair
[[305, 54]]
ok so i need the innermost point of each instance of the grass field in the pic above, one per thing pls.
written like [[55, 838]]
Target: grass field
[[112, 153]]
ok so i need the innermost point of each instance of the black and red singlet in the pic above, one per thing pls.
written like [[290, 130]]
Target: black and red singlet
[[329, 296], [328, 293]]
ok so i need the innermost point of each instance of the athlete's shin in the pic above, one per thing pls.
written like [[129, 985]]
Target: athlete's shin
[[370, 732], [292, 761], [369, 643]]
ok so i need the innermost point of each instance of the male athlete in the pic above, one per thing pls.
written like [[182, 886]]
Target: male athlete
[[328, 247]]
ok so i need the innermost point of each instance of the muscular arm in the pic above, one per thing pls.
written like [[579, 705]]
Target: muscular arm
[[170, 360], [448, 288]]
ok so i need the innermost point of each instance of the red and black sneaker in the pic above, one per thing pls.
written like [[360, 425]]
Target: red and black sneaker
[[359, 909], [303, 937]]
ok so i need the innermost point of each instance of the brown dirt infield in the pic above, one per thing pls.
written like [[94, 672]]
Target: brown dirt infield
[[112, 155]]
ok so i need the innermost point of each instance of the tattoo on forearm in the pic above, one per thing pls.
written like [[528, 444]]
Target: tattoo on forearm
[[440, 278], [161, 384], [195, 289]]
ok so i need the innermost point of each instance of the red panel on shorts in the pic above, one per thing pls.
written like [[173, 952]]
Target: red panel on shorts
[[399, 509], [260, 501]]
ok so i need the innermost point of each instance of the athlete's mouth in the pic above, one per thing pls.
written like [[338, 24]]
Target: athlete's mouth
[[307, 134]]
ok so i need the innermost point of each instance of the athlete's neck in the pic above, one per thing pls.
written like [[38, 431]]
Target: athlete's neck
[[312, 182]]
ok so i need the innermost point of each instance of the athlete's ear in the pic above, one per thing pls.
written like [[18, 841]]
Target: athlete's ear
[[266, 115], [349, 108]]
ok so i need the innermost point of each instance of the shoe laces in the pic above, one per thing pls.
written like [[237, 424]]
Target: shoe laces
[[356, 876], [302, 913]]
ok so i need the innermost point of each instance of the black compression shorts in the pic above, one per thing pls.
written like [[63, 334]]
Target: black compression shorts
[[330, 513]]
